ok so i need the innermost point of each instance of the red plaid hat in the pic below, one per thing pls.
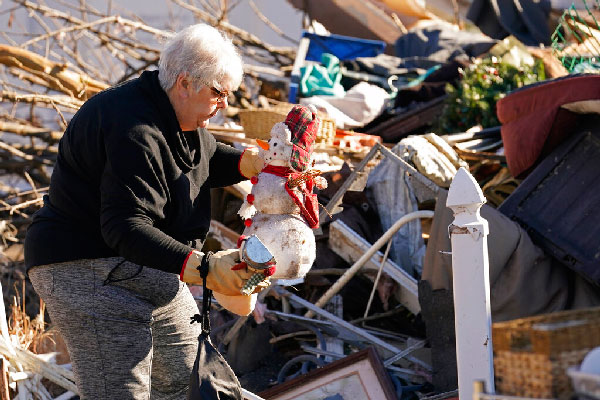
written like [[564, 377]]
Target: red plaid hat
[[303, 124]]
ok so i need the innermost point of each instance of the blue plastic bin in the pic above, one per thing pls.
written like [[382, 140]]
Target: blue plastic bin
[[343, 47]]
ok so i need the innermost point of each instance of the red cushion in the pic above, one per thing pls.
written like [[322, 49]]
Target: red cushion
[[531, 122]]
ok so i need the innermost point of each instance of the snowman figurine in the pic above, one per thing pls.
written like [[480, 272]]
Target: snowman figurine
[[282, 209]]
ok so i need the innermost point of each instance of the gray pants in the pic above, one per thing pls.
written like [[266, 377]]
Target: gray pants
[[128, 334]]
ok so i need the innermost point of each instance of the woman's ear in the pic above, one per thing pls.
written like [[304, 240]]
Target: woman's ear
[[182, 86]]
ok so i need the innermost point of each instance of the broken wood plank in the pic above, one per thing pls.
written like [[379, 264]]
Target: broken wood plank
[[37, 364], [351, 246]]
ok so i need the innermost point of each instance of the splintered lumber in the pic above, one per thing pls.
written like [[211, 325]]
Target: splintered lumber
[[4, 392], [351, 246], [37, 364], [56, 74], [33, 362]]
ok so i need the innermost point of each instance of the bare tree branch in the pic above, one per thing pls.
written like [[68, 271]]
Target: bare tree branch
[[65, 101], [57, 75], [271, 25]]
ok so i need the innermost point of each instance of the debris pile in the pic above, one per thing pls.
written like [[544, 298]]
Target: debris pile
[[408, 95]]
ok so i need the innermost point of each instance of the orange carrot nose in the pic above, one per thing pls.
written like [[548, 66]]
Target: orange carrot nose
[[264, 145]]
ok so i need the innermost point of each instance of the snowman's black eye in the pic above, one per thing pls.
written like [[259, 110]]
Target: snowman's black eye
[[274, 144]]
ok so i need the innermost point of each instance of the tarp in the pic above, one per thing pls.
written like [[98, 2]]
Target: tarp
[[440, 41], [524, 281], [527, 20]]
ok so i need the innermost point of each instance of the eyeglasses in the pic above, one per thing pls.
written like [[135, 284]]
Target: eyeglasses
[[219, 94]]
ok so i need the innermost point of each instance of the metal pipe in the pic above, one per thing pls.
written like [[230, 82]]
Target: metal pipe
[[337, 286]]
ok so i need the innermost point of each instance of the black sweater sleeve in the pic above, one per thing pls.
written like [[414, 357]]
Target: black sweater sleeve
[[134, 193], [224, 166]]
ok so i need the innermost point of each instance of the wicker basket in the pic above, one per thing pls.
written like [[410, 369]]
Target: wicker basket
[[258, 122], [532, 355], [326, 132]]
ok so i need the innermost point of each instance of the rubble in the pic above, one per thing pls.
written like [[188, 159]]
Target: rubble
[[381, 286]]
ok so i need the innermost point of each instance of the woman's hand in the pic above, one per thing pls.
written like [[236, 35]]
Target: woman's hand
[[250, 163], [222, 276]]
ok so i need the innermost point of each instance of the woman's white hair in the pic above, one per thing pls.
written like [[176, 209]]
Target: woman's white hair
[[205, 55]]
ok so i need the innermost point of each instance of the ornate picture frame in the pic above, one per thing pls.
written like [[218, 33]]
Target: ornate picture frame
[[360, 375]]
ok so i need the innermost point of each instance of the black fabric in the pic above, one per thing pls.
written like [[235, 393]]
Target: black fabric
[[128, 182], [385, 65], [527, 20], [212, 378], [440, 42]]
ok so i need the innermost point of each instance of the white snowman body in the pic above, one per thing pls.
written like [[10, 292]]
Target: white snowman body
[[289, 239], [276, 219], [270, 196]]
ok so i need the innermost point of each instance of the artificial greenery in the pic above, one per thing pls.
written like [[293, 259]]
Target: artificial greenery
[[482, 84]]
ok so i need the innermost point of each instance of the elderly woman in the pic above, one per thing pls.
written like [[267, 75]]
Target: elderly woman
[[128, 207]]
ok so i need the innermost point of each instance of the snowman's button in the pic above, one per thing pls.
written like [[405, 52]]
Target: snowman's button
[[250, 198], [254, 180], [248, 222]]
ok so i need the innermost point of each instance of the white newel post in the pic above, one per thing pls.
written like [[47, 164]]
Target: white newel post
[[471, 285]]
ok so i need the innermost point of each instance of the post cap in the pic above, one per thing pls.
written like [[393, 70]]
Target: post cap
[[464, 190]]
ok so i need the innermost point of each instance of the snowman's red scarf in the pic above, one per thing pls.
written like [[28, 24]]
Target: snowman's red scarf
[[310, 207]]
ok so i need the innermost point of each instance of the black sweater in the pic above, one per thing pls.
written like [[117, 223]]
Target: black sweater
[[127, 182]]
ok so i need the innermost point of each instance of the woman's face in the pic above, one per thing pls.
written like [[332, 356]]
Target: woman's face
[[197, 107]]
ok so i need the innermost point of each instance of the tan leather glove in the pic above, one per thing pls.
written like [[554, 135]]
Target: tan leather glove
[[241, 305], [221, 278], [250, 163]]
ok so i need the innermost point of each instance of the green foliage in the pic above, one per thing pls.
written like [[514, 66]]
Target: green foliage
[[482, 84]]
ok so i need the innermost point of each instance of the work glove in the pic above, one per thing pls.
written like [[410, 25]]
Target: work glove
[[226, 275], [250, 163], [241, 304]]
